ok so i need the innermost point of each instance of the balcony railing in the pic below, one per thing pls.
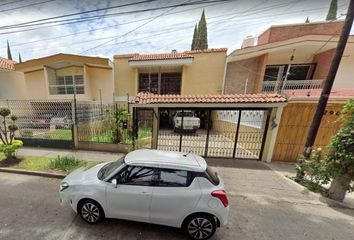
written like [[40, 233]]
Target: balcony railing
[[274, 86]]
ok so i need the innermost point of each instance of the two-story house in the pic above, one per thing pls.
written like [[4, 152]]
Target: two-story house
[[286, 57], [184, 73], [294, 60], [59, 76]]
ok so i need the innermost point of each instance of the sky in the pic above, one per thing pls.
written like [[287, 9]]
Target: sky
[[142, 26]]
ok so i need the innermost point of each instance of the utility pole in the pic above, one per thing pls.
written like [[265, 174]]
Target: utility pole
[[329, 80]]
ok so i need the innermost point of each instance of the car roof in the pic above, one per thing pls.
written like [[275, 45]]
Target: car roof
[[166, 159]]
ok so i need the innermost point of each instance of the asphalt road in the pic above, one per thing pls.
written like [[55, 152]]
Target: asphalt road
[[263, 206]]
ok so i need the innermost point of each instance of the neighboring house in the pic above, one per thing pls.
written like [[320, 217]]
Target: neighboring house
[[60, 75], [12, 84], [294, 59], [189, 72], [294, 56]]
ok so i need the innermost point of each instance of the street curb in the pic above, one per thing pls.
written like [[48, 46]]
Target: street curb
[[33, 173], [327, 201]]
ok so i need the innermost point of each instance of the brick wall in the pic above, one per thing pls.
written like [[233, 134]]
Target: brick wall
[[323, 61], [281, 33], [237, 74]]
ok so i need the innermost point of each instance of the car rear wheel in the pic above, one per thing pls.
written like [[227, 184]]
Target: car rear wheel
[[200, 227], [90, 211]]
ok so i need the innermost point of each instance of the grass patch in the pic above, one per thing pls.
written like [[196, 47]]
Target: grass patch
[[60, 134], [313, 187], [60, 164]]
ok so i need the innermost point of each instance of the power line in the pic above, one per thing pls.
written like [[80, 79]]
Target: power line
[[24, 6], [92, 18], [149, 18], [11, 2], [98, 17], [133, 30]]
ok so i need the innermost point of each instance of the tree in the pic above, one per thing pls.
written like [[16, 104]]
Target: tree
[[195, 37], [19, 58], [7, 133], [340, 159], [9, 56], [332, 11], [307, 20], [336, 166], [202, 40]]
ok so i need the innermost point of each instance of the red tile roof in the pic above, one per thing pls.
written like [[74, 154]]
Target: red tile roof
[[6, 64], [210, 50], [314, 94], [171, 55], [150, 98]]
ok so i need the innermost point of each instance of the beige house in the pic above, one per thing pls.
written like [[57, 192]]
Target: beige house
[[189, 72], [294, 56], [12, 84], [60, 76]]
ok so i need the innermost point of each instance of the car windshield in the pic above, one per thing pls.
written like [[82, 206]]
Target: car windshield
[[107, 169], [185, 114]]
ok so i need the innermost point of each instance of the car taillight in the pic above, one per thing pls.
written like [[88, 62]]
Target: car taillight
[[221, 194]]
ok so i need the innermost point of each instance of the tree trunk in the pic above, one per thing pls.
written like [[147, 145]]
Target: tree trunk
[[339, 187]]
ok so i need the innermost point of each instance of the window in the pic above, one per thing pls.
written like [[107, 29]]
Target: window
[[170, 83], [148, 82], [133, 175], [172, 178], [64, 85], [297, 72]]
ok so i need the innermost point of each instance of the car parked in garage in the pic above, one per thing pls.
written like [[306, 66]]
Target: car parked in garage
[[190, 121], [160, 187]]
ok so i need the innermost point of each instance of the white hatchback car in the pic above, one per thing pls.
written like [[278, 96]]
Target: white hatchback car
[[167, 188]]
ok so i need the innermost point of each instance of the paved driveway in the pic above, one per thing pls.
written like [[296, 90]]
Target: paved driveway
[[263, 206]]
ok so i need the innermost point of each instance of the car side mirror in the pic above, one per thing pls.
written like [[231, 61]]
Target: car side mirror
[[114, 182]]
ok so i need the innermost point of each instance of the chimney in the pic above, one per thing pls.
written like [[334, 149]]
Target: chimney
[[249, 41]]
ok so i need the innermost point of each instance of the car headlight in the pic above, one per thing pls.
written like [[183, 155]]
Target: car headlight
[[63, 186]]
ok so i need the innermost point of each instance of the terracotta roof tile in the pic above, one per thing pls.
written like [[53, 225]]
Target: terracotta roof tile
[[160, 56], [6, 64], [163, 56], [150, 98], [210, 50]]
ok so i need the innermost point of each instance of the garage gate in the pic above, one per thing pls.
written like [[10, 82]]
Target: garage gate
[[220, 133]]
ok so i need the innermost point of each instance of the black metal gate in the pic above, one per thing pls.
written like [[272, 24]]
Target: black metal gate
[[235, 133]]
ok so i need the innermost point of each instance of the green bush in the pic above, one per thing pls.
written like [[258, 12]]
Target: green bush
[[9, 149], [66, 163], [26, 133]]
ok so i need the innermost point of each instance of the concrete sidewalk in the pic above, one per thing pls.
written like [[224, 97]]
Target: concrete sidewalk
[[79, 154], [288, 170]]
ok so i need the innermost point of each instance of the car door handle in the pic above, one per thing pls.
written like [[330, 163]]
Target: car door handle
[[145, 193]]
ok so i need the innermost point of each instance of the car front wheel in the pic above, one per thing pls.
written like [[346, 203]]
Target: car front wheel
[[90, 211], [200, 227]]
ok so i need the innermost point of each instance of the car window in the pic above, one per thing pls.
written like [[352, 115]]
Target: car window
[[172, 178], [133, 175]]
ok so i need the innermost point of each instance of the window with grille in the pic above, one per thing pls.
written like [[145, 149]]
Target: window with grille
[[64, 85], [170, 83], [148, 82], [296, 72]]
